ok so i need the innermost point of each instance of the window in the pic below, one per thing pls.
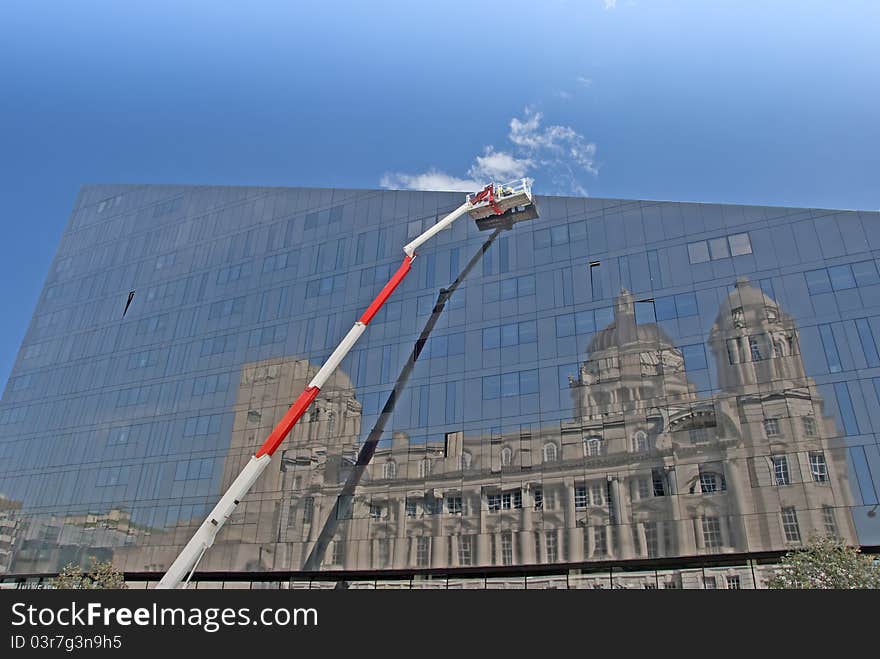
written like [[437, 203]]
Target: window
[[119, 476], [581, 496], [424, 468], [694, 357], [818, 281], [389, 470], [869, 346], [740, 244], [709, 583], [308, 509], [375, 511], [600, 540], [734, 582], [818, 467], [597, 493], [510, 334], [698, 252], [226, 308], [781, 474], [645, 312], [719, 248], [658, 482], [423, 551], [845, 406], [829, 344], [829, 521], [652, 540], [197, 426], [711, 482], [754, 349], [510, 384], [507, 548], [511, 500], [465, 550], [552, 546], [639, 441], [494, 502], [643, 487], [550, 452], [790, 525], [506, 456], [676, 306], [539, 498], [711, 532], [593, 447], [411, 507], [771, 427], [210, 384], [809, 424], [453, 505], [841, 277]]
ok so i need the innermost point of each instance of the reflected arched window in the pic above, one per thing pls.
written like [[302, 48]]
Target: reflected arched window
[[424, 468], [389, 469], [592, 447], [464, 461], [506, 456], [550, 452], [639, 441]]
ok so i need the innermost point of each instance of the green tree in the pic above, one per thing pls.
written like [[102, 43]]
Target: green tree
[[102, 576], [826, 563]]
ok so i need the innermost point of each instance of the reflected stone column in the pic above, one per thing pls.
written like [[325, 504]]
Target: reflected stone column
[[733, 476], [698, 533], [643, 538], [439, 550], [619, 516], [575, 544], [483, 549]]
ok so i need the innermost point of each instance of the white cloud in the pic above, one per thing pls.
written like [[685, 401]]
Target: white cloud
[[552, 145], [584, 81], [557, 155], [610, 4], [433, 179], [499, 166]]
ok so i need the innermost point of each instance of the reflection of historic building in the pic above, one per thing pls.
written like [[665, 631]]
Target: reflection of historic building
[[320, 447], [45, 543], [647, 467], [10, 525]]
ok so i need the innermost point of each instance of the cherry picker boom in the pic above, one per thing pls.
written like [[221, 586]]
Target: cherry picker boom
[[493, 200]]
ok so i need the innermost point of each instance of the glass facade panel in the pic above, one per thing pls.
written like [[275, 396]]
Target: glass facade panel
[[551, 415]]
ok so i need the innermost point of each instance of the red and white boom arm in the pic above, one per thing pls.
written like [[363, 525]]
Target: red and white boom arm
[[203, 538]]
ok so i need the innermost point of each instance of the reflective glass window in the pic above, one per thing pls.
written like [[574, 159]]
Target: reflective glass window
[[740, 244], [698, 252], [818, 281]]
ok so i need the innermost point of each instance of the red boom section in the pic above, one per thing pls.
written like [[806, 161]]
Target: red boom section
[[386, 292], [279, 432], [301, 404]]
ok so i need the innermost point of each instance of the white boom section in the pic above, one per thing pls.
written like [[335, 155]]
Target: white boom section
[[338, 355], [204, 537], [410, 248]]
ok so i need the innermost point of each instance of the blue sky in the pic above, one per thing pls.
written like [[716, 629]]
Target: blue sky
[[724, 101]]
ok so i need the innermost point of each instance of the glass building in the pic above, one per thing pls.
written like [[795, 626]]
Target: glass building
[[616, 394]]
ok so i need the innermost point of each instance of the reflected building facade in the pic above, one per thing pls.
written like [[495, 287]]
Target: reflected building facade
[[621, 394]]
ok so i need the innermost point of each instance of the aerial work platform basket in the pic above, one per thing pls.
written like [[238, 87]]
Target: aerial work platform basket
[[497, 199]]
